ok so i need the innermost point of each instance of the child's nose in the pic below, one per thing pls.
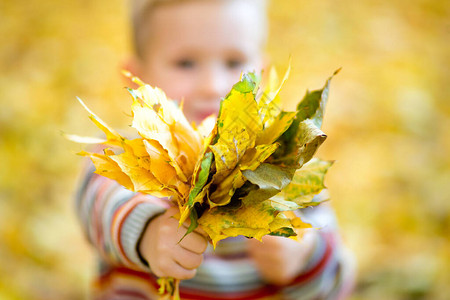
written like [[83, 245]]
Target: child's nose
[[214, 83]]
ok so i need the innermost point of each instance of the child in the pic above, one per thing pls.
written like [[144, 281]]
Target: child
[[195, 50]]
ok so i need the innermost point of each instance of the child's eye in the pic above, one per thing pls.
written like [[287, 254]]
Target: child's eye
[[185, 63], [234, 63]]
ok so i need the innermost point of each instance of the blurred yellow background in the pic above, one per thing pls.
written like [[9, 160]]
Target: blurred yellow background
[[388, 122]]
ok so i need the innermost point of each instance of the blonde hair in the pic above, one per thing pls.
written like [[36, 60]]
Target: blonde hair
[[140, 11]]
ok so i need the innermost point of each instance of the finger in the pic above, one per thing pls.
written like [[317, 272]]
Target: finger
[[198, 229], [179, 272], [172, 211], [194, 242], [187, 259]]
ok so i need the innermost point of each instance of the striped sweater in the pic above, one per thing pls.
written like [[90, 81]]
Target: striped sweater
[[114, 219]]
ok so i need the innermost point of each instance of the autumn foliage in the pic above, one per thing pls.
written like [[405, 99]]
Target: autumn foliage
[[242, 173]]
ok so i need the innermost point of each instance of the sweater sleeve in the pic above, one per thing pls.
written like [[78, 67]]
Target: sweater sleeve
[[329, 274], [114, 218]]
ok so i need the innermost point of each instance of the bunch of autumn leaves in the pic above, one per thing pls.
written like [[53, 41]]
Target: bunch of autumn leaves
[[244, 173]]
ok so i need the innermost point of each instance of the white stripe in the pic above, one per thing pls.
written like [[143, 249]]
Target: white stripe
[[225, 275]]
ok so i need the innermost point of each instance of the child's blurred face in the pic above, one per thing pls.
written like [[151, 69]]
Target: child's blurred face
[[197, 50]]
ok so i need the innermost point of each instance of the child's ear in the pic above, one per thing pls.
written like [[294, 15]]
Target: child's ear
[[131, 64]]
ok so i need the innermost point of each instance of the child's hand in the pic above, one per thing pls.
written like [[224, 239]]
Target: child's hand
[[280, 259], [167, 257]]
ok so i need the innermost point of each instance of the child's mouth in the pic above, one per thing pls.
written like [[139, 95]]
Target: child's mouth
[[204, 114]]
